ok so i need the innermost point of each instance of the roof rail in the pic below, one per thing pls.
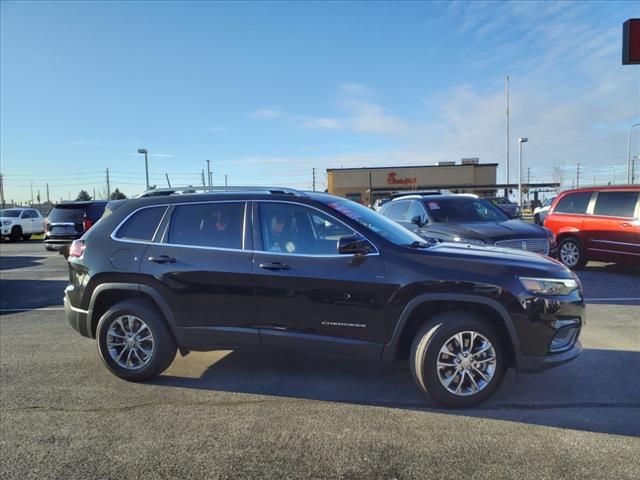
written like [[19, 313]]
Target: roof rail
[[406, 193], [220, 189]]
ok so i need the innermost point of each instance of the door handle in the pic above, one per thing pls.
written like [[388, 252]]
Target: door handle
[[162, 259], [275, 266], [626, 224]]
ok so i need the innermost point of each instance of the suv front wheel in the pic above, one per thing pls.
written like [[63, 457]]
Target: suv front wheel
[[134, 341], [458, 359]]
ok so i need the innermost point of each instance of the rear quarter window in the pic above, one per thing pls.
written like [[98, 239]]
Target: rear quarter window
[[573, 203], [142, 225], [94, 211]]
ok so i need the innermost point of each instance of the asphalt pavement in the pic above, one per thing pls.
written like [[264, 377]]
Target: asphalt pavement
[[239, 414]]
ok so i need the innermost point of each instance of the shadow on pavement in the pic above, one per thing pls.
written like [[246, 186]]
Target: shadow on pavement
[[592, 393], [30, 294], [12, 262]]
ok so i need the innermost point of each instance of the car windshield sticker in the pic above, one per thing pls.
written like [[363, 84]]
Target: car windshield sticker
[[433, 205]]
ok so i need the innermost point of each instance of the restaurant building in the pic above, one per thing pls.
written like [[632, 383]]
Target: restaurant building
[[365, 185]]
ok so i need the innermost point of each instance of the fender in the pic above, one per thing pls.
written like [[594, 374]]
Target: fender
[[155, 296], [390, 348], [567, 229]]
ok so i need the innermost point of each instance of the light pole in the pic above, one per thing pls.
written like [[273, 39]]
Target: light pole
[[629, 165], [146, 164], [521, 140]]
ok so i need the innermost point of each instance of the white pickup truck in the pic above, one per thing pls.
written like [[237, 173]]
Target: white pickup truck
[[17, 223]]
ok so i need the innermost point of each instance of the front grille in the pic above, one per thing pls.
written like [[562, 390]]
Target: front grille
[[537, 245]]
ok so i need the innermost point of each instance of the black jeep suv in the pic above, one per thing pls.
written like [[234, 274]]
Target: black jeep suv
[[318, 273]]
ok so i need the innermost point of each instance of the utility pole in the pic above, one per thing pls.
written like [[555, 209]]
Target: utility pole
[[225, 181], [209, 173], [629, 157], [94, 193], [31, 193], [314, 179], [48, 193], [1, 192], [528, 182], [108, 186], [370, 190], [145, 152], [507, 95], [203, 184], [168, 182], [578, 177]]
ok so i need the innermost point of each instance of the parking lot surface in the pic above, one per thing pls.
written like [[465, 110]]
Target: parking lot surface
[[272, 415]]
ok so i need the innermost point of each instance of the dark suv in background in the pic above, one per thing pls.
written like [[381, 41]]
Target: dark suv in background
[[466, 218], [315, 273], [68, 221]]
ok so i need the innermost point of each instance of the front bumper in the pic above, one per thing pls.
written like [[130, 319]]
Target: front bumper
[[532, 364]]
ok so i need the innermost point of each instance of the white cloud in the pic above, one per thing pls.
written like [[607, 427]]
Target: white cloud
[[330, 123], [217, 129], [267, 113], [356, 89]]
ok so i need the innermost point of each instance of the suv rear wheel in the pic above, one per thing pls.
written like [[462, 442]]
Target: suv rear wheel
[[571, 253], [134, 341], [458, 359]]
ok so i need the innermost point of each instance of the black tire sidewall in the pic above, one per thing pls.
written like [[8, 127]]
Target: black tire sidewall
[[16, 234], [427, 345], [164, 345], [582, 260]]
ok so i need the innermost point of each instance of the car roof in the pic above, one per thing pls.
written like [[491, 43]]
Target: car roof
[[434, 197], [80, 203], [622, 188]]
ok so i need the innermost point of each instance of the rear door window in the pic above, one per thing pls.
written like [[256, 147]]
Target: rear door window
[[574, 203], [142, 225], [616, 204], [217, 225]]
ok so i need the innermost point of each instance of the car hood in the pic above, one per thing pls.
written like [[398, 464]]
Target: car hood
[[509, 257], [13, 219], [505, 230]]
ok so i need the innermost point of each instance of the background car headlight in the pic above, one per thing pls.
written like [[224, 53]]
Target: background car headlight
[[472, 241], [549, 286], [6, 222]]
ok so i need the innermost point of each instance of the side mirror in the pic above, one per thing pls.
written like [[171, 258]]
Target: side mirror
[[417, 220], [354, 245]]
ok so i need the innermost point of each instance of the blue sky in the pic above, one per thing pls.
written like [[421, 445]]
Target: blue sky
[[267, 91]]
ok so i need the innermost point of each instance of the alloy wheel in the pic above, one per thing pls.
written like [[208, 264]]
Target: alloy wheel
[[130, 342], [569, 254], [466, 363]]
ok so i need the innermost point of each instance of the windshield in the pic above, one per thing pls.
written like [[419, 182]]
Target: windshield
[[464, 210], [549, 201], [10, 213], [374, 221]]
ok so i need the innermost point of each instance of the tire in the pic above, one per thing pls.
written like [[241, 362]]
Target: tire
[[49, 249], [26, 237], [16, 233], [160, 350], [536, 219], [571, 253], [439, 332]]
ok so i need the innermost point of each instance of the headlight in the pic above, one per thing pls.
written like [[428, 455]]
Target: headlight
[[549, 286], [472, 241], [6, 222]]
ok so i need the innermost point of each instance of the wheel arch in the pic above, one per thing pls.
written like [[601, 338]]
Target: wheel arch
[[419, 310], [108, 294]]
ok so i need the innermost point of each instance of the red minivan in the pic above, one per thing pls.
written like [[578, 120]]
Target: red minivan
[[597, 223]]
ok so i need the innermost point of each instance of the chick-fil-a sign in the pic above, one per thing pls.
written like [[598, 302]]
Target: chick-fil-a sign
[[393, 179]]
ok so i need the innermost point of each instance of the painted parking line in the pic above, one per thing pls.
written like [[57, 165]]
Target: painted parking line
[[628, 299], [35, 309]]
